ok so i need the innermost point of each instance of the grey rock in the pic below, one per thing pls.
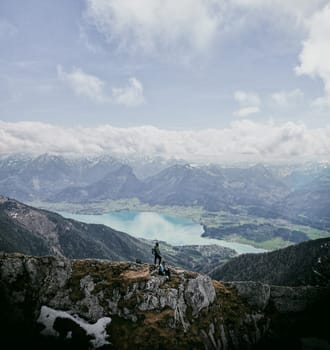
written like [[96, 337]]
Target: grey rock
[[187, 311], [295, 299], [255, 293], [200, 293]]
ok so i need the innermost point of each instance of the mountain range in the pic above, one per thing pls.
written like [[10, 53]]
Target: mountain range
[[299, 194], [307, 263]]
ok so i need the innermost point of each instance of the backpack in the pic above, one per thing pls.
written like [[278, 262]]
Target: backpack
[[161, 269]]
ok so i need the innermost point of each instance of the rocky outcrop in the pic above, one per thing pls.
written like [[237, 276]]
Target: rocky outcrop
[[122, 305], [297, 315]]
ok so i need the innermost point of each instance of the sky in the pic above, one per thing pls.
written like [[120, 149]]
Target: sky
[[200, 79]]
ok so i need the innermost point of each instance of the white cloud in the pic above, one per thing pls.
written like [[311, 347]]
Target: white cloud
[[315, 55], [151, 25], [90, 86], [249, 103], [131, 95], [301, 9], [287, 98], [247, 98], [246, 111], [187, 26], [243, 140], [84, 84]]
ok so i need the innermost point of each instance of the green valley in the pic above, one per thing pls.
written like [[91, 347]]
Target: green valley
[[266, 233]]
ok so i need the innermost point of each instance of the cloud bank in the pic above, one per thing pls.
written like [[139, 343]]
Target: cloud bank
[[244, 140]]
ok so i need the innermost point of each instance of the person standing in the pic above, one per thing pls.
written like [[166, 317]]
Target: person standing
[[156, 253]]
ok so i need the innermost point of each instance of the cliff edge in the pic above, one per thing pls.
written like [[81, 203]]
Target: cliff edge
[[89, 304]]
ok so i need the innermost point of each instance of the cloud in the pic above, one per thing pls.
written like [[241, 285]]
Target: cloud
[[87, 85], [246, 111], [87, 42], [249, 103], [287, 98], [315, 55], [247, 98], [187, 26], [300, 9], [131, 95], [152, 25], [83, 84], [243, 140]]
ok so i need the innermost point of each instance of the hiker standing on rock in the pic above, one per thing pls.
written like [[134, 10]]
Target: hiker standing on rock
[[156, 252]]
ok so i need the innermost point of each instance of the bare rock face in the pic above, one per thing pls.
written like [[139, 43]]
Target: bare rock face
[[256, 294], [290, 300], [200, 293], [122, 305]]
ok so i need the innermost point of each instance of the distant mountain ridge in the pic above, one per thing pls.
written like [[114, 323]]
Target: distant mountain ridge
[[307, 263], [119, 183], [28, 178], [300, 195], [311, 200]]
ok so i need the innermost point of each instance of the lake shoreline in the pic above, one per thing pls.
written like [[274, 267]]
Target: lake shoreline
[[175, 230], [198, 215]]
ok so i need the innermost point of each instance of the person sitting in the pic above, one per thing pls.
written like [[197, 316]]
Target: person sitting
[[163, 269]]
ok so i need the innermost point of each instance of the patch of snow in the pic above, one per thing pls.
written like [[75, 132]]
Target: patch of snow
[[97, 330]]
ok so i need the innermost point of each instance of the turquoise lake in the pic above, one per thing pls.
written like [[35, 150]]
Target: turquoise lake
[[155, 226]]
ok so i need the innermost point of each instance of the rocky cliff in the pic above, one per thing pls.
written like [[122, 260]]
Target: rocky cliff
[[56, 302]]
